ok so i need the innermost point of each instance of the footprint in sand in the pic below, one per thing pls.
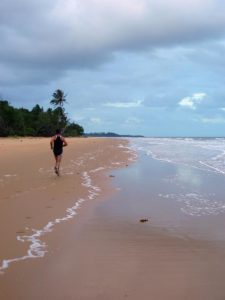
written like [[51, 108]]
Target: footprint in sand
[[20, 232]]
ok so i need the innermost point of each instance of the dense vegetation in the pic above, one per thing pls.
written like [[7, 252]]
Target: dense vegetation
[[37, 121]]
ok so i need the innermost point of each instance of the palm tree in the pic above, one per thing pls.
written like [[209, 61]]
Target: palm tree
[[59, 98]]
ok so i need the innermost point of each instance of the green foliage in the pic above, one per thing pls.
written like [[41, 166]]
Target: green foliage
[[8, 119], [37, 122], [73, 129], [59, 98]]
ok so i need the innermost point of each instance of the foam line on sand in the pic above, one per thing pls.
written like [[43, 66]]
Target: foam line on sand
[[38, 248]]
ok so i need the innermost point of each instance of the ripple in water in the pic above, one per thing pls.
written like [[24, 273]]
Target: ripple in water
[[194, 204], [204, 154]]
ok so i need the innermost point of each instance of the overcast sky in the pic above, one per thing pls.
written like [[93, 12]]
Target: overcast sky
[[155, 68]]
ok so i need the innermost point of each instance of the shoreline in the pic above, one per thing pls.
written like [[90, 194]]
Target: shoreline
[[105, 252], [82, 179]]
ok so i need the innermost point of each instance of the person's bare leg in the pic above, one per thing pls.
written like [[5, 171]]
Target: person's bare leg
[[58, 161]]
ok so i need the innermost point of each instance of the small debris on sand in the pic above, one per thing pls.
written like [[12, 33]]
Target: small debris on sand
[[143, 220], [111, 176]]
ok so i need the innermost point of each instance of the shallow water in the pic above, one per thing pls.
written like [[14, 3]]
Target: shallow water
[[204, 154], [178, 184]]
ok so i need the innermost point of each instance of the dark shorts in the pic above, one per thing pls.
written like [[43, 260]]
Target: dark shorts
[[57, 152]]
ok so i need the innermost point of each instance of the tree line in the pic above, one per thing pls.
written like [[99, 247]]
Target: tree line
[[37, 121]]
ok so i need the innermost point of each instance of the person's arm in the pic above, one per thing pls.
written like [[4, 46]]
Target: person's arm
[[52, 143], [65, 143]]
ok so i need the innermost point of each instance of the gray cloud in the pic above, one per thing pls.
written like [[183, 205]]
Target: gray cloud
[[44, 39]]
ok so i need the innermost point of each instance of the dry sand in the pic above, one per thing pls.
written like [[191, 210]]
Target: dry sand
[[93, 255]]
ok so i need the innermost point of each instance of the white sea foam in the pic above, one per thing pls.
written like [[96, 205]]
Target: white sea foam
[[189, 155], [204, 154], [38, 248], [69, 173], [87, 182], [97, 170], [195, 204]]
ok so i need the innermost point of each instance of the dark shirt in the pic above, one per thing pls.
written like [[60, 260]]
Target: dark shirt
[[58, 145]]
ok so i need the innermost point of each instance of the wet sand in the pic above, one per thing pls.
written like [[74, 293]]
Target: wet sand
[[105, 252], [34, 202]]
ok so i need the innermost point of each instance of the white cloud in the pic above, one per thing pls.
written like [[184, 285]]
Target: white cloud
[[192, 101], [222, 108], [198, 97], [97, 121], [213, 120], [124, 104], [187, 102]]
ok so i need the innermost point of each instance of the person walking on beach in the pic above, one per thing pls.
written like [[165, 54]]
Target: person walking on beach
[[57, 143]]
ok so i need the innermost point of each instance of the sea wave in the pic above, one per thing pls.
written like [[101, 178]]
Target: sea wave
[[204, 154]]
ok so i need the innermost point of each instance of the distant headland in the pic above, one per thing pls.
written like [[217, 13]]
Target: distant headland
[[109, 134]]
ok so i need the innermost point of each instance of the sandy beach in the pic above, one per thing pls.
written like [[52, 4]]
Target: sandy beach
[[79, 236], [34, 201]]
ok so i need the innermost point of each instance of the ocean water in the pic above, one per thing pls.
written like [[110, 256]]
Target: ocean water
[[178, 183], [198, 180], [202, 153]]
